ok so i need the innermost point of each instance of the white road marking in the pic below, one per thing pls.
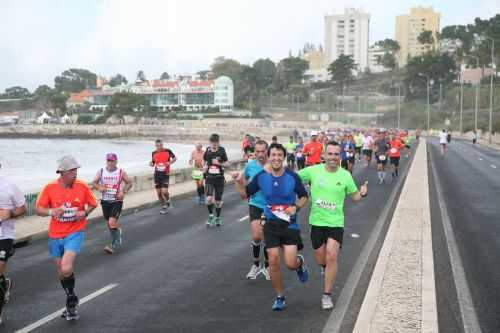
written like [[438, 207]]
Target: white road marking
[[354, 235], [493, 166], [244, 218], [57, 313], [479, 158]]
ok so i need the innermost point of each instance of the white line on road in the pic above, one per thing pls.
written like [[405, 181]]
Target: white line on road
[[465, 302], [57, 313], [479, 158], [493, 166], [244, 218]]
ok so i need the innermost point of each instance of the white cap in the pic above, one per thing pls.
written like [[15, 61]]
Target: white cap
[[67, 163], [314, 133]]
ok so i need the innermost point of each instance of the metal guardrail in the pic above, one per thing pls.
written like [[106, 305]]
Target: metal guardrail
[[30, 203]]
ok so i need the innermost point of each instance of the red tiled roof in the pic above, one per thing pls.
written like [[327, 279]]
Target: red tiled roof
[[163, 84], [201, 83]]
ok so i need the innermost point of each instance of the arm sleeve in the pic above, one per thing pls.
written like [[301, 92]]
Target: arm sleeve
[[18, 197], [300, 190], [253, 186], [351, 186], [305, 175]]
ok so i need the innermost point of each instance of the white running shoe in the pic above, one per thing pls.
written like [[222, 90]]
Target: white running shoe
[[326, 302], [265, 271], [254, 271]]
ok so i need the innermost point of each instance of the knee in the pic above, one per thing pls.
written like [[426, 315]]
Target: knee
[[331, 257], [274, 259], [66, 269], [291, 263]]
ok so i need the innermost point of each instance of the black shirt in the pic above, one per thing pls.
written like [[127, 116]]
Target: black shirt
[[219, 155]]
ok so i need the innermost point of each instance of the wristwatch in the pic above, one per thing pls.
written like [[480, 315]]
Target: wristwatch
[[364, 195]]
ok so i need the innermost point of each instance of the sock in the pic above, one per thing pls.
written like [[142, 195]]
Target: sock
[[210, 209], [114, 237], [218, 211], [266, 258], [68, 284], [202, 190], [379, 174], [383, 175], [301, 263], [397, 172], [256, 252]]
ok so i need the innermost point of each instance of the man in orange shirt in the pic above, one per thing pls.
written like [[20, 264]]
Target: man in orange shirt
[[312, 150], [161, 160], [395, 154], [68, 201]]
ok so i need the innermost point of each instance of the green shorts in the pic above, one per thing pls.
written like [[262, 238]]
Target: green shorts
[[197, 174]]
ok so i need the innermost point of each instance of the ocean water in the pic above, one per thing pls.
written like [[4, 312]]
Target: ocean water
[[30, 163]]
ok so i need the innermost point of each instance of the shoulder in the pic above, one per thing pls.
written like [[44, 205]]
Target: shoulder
[[293, 174], [81, 184]]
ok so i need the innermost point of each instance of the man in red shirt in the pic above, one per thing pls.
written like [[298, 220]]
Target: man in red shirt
[[313, 149], [161, 159], [68, 201], [395, 154]]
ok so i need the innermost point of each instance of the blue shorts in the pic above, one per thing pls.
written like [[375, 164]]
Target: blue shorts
[[73, 242]]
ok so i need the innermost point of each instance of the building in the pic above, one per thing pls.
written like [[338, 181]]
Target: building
[[475, 75], [165, 95], [347, 34], [409, 27], [317, 71], [374, 53]]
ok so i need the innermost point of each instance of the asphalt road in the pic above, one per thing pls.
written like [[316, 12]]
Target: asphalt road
[[175, 275], [469, 177]]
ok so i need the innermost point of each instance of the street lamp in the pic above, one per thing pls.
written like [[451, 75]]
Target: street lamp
[[428, 100], [477, 94], [493, 67]]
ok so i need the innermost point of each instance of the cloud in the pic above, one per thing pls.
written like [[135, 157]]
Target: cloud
[[46, 37]]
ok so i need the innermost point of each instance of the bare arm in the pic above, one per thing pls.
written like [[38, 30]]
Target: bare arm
[[6, 214]]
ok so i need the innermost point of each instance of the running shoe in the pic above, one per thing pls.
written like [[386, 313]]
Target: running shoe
[[265, 272], [71, 312], [8, 284], [302, 272], [279, 303], [164, 210], [326, 302], [210, 220], [218, 221], [254, 272]]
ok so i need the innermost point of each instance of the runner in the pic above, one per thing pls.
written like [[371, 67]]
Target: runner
[[291, 148], [313, 149], [347, 153], [395, 154], [256, 209], [329, 187], [474, 137], [368, 143], [108, 181], [280, 187], [215, 158], [274, 139], [12, 206], [68, 201], [381, 148], [358, 141], [161, 160], [196, 161], [244, 145], [443, 141], [299, 154], [448, 137]]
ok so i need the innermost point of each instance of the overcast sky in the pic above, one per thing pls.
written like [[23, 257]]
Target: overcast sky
[[40, 39]]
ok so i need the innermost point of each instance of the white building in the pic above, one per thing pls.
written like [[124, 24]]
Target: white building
[[374, 52], [347, 34]]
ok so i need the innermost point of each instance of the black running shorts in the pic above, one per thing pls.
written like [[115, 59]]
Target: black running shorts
[[277, 233], [395, 161], [6, 249], [214, 187], [320, 235], [161, 179], [111, 209], [255, 213]]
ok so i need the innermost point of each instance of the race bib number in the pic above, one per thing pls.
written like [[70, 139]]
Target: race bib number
[[326, 204], [214, 170], [394, 151], [110, 192], [381, 157], [69, 214], [279, 212], [161, 167]]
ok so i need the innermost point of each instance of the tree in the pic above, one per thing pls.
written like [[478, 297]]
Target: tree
[[341, 71], [117, 80], [228, 67], [204, 74], [390, 47], [265, 70], [164, 76], [141, 77], [58, 101], [126, 102], [17, 92], [427, 39], [290, 71], [75, 80]]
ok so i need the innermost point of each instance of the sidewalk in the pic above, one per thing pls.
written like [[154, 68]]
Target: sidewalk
[[401, 296], [35, 227]]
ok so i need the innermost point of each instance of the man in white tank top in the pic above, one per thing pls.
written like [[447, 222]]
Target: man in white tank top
[[113, 183]]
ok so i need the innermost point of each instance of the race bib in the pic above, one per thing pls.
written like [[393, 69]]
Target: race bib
[[161, 167], [214, 170], [110, 192], [69, 214], [348, 155], [381, 157], [299, 155], [279, 212], [394, 151], [326, 204]]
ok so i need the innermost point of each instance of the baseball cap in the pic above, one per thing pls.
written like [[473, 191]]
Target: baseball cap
[[111, 157], [313, 133], [67, 163]]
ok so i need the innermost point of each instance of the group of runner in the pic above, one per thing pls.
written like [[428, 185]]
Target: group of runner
[[275, 191]]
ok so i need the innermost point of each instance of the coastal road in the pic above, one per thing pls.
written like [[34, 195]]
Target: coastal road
[[468, 281], [175, 275]]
